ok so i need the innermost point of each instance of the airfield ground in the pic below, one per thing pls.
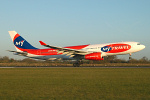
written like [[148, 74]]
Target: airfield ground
[[74, 83], [21, 64]]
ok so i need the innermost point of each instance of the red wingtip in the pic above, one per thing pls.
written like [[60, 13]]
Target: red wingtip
[[42, 43]]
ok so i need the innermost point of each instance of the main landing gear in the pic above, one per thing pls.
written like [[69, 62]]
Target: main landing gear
[[77, 63]]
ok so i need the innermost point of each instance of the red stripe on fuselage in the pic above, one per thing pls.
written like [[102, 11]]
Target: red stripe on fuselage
[[49, 51], [42, 52]]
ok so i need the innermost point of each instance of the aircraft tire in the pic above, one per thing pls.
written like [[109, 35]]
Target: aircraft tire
[[76, 65]]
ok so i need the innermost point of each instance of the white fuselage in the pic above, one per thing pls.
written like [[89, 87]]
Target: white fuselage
[[118, 50]]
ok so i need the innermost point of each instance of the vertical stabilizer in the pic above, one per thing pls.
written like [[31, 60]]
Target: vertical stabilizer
[[20, 43]]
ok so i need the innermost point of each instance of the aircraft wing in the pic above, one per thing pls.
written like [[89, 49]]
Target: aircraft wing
[[68, 51], [19, 53]]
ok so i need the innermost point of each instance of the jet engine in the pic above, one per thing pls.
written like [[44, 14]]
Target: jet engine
[[94, 56]]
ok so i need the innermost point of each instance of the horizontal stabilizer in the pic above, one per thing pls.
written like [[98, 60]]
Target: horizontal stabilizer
[[19, 53]]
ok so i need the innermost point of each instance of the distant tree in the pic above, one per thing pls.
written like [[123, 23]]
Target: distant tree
[[12, 60], [91, 62], [120, 61], [110, 59], [133, 60], [144, 60], [28, 60], [5, 59]]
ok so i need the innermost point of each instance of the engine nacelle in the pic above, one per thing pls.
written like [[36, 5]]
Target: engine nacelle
[[94, 56]]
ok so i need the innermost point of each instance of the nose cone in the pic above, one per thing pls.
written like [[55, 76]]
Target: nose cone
[[142, 47], [138, 47]]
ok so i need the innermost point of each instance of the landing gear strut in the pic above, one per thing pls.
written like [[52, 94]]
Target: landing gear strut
[[130, 56], [77, 63]]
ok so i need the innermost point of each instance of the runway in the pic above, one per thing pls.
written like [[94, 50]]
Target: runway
[[83, 67]]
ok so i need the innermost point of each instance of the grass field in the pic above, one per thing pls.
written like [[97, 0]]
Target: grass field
[[75, 83]]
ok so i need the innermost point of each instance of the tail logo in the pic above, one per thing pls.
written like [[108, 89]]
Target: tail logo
[[20, 43]]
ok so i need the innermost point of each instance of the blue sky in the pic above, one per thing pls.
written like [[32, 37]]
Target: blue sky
[[75, 22]]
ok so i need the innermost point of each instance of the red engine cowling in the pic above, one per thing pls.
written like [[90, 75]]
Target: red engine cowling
[[94, 56]]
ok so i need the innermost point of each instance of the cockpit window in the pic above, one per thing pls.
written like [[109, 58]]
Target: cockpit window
[[138, 44]]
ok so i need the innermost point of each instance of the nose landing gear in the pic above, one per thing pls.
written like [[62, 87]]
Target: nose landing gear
[[130, 56]]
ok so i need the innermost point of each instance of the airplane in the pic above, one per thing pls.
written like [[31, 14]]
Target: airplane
[[78, 53]]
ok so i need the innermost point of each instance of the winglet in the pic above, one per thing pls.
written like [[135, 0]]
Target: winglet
[[42, 43]]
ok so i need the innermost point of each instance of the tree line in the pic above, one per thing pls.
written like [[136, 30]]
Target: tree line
[[108, 59]]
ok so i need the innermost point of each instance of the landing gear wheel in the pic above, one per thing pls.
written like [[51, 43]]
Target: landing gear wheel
[[74, 65], [130, 56], [77, 64]]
